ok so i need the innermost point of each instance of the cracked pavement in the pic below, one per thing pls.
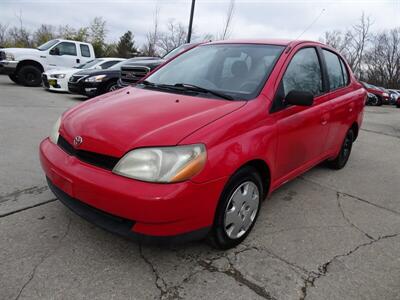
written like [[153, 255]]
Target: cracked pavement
[[326, 235]]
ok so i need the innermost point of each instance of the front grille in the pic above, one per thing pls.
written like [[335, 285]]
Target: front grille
[[2, 55], [96, 159], [75, 78], [133, 74], [45, 81]]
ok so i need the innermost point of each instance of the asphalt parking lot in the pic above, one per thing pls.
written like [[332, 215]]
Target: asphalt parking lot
[[326, 235]]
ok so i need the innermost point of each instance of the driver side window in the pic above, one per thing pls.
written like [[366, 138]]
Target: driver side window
[[302, 74], [65, 48]]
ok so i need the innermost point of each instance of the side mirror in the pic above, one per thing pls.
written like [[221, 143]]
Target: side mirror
[[300, 98], [55, 51]]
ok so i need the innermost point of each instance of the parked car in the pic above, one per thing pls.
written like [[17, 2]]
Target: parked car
[[95, 82], [398, 103], [136, 69], [394, 95], [372, 99], [57, 79], [383, 96], [192, 150], [25, 66]]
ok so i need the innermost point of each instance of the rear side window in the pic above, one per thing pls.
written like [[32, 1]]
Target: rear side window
[[345, 72], [108, 64], [334, 69], [303, 73], [85, 50], [67, 48]]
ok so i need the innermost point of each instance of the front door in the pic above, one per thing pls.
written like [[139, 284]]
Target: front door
[[302, 130], [63, 55]]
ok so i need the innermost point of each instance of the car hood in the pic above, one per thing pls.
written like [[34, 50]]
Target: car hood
[[93, 72], [117, 122], [67, 71], [21, 51]]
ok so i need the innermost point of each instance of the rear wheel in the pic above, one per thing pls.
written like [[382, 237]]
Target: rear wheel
[[340, 161], [29, 76], [14, 78], [238, 209], [379, 103]]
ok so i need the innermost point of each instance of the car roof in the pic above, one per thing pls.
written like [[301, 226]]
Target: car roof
[[279, 42], [111, 58]]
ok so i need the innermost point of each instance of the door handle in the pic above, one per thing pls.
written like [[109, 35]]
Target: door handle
[[324, 122], [78, 60], [350, 109]]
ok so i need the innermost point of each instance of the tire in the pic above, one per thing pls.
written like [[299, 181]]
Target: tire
[[340, 161], [30, 76], [379, 102], [14, 78], [225, 234], [112, 87]]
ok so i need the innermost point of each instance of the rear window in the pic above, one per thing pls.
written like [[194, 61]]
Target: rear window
[[85, 50]]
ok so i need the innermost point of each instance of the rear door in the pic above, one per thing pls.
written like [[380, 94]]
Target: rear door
[[302, 131], [342, 98]]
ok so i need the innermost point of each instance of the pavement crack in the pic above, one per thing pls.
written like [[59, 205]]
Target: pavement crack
[[380, 132], [349, 195], [165, 293], [27, 207], [338, 195], [238, 277], [13, 196], [323, 269], [48, 254]]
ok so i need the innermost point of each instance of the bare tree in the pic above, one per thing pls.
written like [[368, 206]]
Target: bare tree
[[383, 59], [4, 40], [352, 43], [173, 37], [150, 46], [43, 34], [226, 30]]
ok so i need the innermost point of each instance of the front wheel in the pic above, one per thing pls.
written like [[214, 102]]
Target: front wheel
[[14, 78], [340, 161], [238, 209], [112, 87], [30, 76]]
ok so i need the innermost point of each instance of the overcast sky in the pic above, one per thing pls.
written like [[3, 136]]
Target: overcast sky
[[252, 18]]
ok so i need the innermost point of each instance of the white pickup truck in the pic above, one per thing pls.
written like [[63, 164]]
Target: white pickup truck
[[25, 65]]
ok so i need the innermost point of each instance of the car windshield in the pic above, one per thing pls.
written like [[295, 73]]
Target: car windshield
[[176, 51], [89, 64], [236, 71], [117, 66], [47, 45]]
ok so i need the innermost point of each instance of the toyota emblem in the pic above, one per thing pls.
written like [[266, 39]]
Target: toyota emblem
[[78, 140]]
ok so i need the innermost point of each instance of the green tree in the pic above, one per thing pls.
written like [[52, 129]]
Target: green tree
[[126, 45], [98, 32]]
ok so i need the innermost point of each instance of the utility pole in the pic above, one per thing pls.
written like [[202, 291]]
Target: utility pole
[[189, 36]]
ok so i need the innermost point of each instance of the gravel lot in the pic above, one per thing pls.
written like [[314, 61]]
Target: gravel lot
[[326, 235]]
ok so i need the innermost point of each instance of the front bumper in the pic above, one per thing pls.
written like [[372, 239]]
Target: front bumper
[[156, 211], [81, 87], [54, 84], [8, 67]]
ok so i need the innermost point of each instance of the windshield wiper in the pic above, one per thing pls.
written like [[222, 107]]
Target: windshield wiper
[[195, 88]]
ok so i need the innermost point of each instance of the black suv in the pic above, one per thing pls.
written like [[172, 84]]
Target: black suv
[[133, 71]]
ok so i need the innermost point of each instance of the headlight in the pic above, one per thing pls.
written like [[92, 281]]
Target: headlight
[[54, 134], [10, 56], [385, 95], [61, 76], [98, 78], [163, 164]]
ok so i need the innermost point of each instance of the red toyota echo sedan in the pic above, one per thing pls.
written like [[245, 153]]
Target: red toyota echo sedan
[[192, 150]]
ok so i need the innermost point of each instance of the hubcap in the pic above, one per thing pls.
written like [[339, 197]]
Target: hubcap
[[241, 210]]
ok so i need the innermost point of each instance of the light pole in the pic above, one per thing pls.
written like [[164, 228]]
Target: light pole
[[190, 22]]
